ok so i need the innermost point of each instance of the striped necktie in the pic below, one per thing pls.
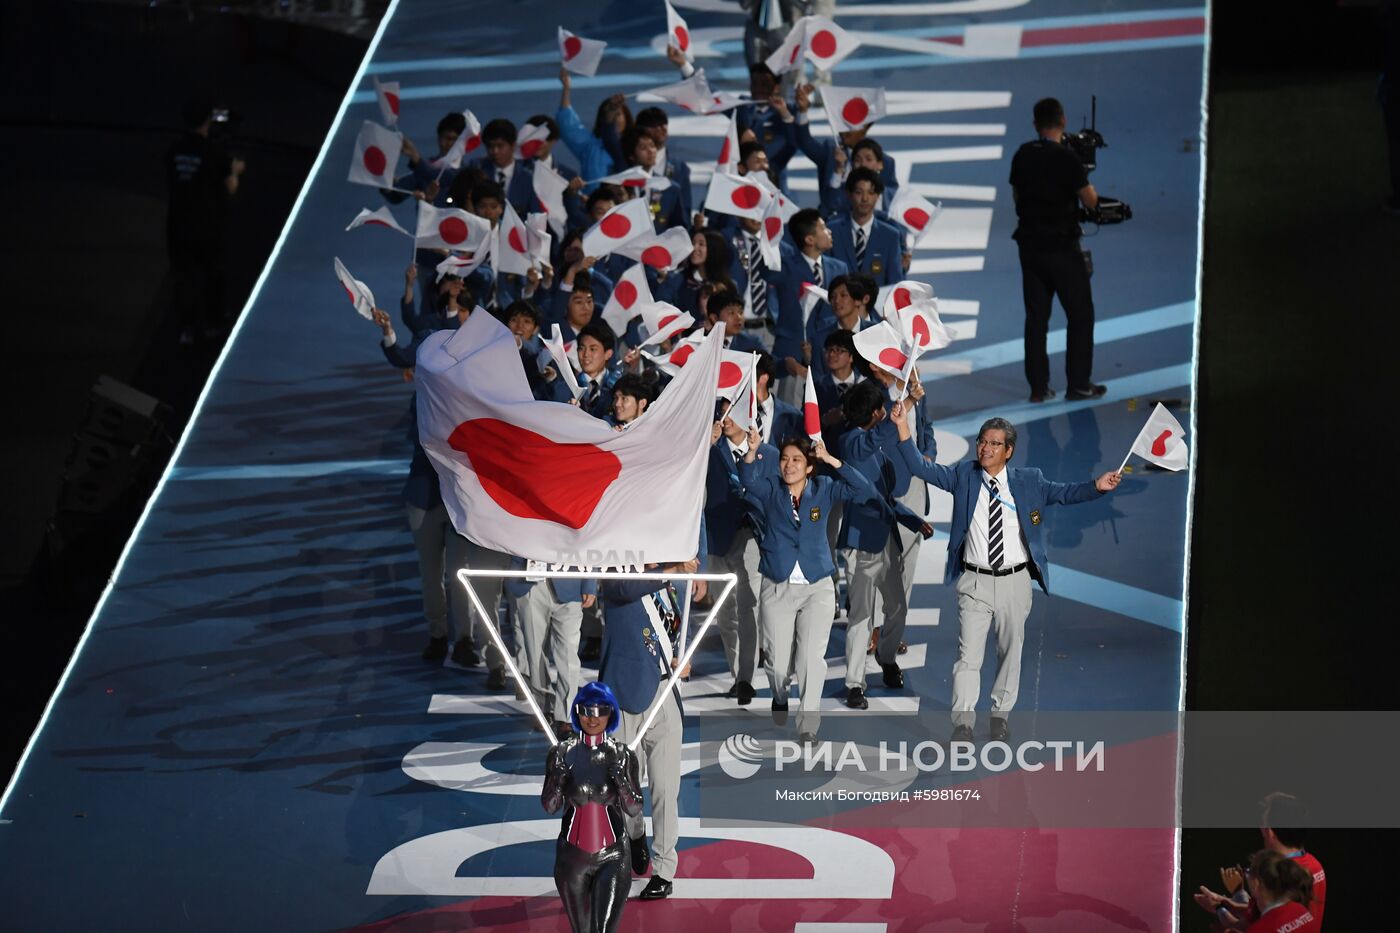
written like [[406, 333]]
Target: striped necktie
[[796, 518], [860, 248], [994, 542], [817, 272], [591, 395], [758, 289]]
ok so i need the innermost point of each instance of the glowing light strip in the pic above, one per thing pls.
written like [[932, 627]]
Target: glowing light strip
[[465, 575], [199, 404]]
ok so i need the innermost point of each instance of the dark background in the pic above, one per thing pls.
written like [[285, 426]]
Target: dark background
[[1289, 582]]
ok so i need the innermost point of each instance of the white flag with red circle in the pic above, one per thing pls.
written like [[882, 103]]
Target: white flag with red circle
[[512, 246], [914, 213], [883, 346], [921, 328], [904, 293], [618, 227], [629, 296], [811, 411], [538, 227], [563, 367], [376, 155], [811, 295], [789, 55], [387, 93], [1161, 441], [677, 32], [737, 195], [694, 94], [467, 141], [531, 140], [380, 217], [662, 321], [850, 108], [673, 362], [728, 161], [734, 374], [661, 251], [358, 292], [635, 179], [826, 43], [549, 191], [580, 55], [450, 228], [462, 266], [770, 235], [537, 478]]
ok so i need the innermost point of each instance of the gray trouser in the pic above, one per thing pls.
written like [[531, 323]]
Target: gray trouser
[[550, 632], [488, 589], [738, 617], [794, 623], [873, 572], [985, 603], [436, 539], [660, 751]]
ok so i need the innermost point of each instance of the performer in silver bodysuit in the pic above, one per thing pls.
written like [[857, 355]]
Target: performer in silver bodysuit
[[594, 780]]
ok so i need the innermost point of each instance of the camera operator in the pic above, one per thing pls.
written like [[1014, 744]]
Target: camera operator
[[1049, 183]]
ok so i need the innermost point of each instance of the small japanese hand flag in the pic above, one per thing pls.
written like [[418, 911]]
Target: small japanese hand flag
[[677, 32], [388, 96], [850, 108], [629, 297], [728, 160], [914, 213], [737, 195], [826, 43], [617, 227], [811, 412], [376, 218], [1161, 441], [468, 140], [376, 153], [360, 295], [580, 55]]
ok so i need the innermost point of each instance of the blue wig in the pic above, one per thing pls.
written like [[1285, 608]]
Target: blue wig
[[600, 694]]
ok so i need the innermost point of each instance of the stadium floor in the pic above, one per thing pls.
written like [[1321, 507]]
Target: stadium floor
[[240, 740]]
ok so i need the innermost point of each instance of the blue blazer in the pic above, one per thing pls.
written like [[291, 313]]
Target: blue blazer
[[786, 543], [725, 505], [788, 333], [866, 526], [769, 129], [1029, 487], [821, 323], [787, 422], [566, 590], [679, 174], [521, 192], [738, 274], [823, 153], [632, 662], [884, 254]]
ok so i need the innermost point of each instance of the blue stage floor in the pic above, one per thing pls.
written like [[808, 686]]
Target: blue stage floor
[[228, 748]]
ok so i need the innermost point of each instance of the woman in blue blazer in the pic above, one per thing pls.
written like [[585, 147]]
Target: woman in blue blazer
[[797, 601]]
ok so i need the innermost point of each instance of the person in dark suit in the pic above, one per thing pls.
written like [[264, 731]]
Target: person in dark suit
[[840, 376], [850, 308], [797, 602], [544, 155], [995, 549], [733, 529], [667, 205], [764, 118], [750, 274], [866, 243], [835, 160], [807, 263], [728, 308], [502, 167], [654, 122]]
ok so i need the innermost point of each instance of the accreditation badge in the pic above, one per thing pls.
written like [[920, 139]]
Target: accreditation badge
[[1035, 517], [816, 514], [768, 137], [876, 267]]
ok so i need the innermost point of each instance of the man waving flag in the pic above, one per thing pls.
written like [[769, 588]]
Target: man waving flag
[[547, 480]]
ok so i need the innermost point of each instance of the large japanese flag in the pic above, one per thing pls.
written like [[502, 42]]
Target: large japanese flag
[[826, 43], [661, 251], [468, 141], [512, 247], [618, 227], [811, 412], [580, 55], [629, 296], [360, 295], [882, 346], [914, 213], [737, 195], [1161, 441], [850, 108], [380, 217], [549, 190], [547, 480], [677, 32], [387, 93], [450, 228], [376, 153]]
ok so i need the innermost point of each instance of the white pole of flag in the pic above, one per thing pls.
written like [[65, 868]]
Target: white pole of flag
[[1130, 449]]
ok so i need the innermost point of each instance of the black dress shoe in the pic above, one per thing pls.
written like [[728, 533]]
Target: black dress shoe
[[894, 677], [745, 692], [1042, 395], [733, 691], [903, 648], [464, 654], [496, 680], [780, 713], [657, 888], [436, 650], [1001, 732], [962, 734], [641, 856], [592, 649], [855, 698], [1089, 391]]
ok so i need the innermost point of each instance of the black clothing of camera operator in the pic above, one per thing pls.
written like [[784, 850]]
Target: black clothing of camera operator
[[1049, 183]]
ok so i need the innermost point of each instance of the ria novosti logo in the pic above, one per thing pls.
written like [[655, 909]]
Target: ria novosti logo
[[740, 756]]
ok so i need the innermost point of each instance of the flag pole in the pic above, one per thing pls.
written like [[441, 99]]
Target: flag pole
[[1126, 459]]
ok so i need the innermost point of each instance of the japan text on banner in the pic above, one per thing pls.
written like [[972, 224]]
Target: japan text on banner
[[380, 217], [629, 296], [358, 292], [387, 93], [1161, 441], [914, 213], [450, 228], [617, 227], [376, 154], [538, 478], [580, 55], [850, 108]]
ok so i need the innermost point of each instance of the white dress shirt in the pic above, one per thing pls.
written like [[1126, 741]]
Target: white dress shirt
[[659, 166], [509, 174], [863, 227], [975, 549]]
